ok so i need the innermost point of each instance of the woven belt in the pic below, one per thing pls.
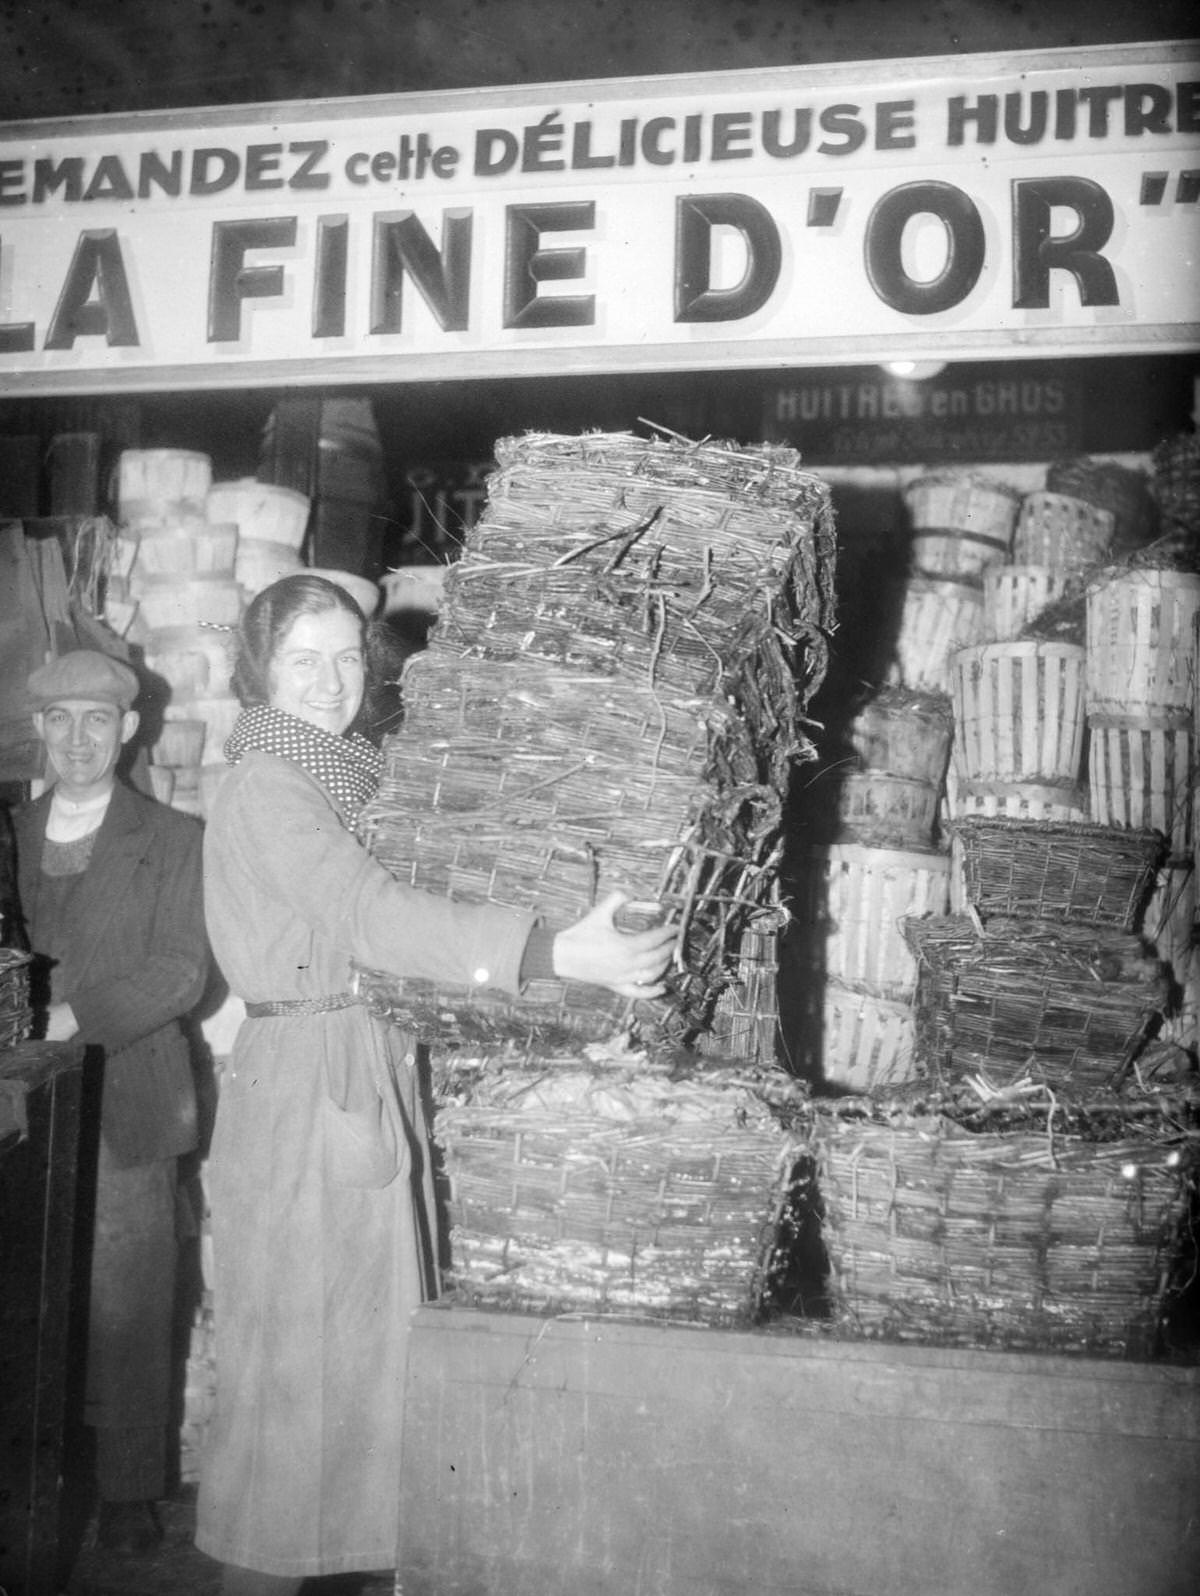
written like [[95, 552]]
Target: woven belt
[[317, 1005]]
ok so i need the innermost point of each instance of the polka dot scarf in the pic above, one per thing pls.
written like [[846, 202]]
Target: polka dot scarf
[[347, 767]]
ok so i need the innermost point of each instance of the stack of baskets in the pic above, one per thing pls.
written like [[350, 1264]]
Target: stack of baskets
[[174, 564], [855, 1031], [1035, 1189], [271, 523], [613, 700]]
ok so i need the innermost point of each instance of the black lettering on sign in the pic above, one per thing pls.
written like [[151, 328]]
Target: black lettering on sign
[[527, 264], [696, 215], [231, 280], [95, 300], [1037, 252], [965, 248], [401, 245]]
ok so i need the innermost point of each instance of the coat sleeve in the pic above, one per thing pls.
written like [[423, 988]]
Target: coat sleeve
[[165, 974], [275, 823]]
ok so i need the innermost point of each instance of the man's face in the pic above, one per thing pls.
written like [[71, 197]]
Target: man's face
[[83, 739]]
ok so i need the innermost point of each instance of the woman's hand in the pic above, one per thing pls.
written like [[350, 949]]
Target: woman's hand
[[630, 963]]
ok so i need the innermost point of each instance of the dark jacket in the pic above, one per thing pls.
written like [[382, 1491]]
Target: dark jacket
[[136, 964]]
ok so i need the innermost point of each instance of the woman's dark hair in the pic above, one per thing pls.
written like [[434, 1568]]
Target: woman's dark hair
[[269, 617]]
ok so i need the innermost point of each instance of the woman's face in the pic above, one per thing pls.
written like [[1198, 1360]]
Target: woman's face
[[317, 670]]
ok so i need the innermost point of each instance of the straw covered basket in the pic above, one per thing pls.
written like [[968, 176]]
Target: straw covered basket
[[16, 1012], [1019, 712], [1142, 775], [1068, 1005], [574, 1186], [1015, 595], [1141, 657], [850, 901], [1027, 1224], [1064, 533], [938, 616], [1108, 485], [1175, 482], [613, 699], [904, 733], [1087, 874]]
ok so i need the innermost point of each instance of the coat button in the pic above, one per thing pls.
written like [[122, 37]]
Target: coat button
[[481, 976]]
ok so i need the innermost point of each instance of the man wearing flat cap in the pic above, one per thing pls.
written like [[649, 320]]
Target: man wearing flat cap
[[110, 890]]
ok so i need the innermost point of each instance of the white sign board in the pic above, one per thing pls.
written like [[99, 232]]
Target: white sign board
[[950, 207]]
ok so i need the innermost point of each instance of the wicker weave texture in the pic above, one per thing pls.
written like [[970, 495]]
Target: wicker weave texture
[[16, 1014], [1089, 875], [613, 700], [1066, 1004], [1025, 1237]]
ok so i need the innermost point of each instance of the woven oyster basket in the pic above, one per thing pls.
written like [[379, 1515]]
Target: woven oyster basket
[[16, 1013], [904, 733], [1065, 1004], [1141, 656], [1086, 874], [848, 907], [1061, 532], [1142, 775], [1028, 1226], [962, 522], [573, 1188], [938, 616], [613, 699], [1019, 712], [1015, 595]]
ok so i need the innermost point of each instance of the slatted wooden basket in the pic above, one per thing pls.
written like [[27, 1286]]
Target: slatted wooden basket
[[1020, 1223], [1087, 874]]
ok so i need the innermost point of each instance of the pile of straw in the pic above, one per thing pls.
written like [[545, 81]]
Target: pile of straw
[[613, 699]]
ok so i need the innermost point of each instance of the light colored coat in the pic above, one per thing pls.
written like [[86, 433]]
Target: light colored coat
[[319, 1177]]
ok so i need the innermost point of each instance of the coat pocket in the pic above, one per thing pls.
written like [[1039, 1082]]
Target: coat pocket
[[363, 1141]]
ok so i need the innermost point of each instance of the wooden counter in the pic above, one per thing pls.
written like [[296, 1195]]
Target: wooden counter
[[552, 1456]]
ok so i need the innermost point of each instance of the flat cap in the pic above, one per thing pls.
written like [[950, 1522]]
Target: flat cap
[[83, 673]]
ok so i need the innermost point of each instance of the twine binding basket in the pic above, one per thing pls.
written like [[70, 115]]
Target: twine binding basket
[[1022, 1224], [1061, 532], [1141, 657], [849, 905], [1142, 775], [938, 617], [16, 1012], [1015, 595], [1019, 712], [1087, 874], [602, 1202], [1070, 1005]]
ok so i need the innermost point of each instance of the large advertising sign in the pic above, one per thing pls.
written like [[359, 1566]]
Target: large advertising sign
[[948, 208]]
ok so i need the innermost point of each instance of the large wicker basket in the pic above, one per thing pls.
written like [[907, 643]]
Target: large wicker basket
[[568, 1202], [1067, 1005], [1024, 1225], [1090, 875]]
